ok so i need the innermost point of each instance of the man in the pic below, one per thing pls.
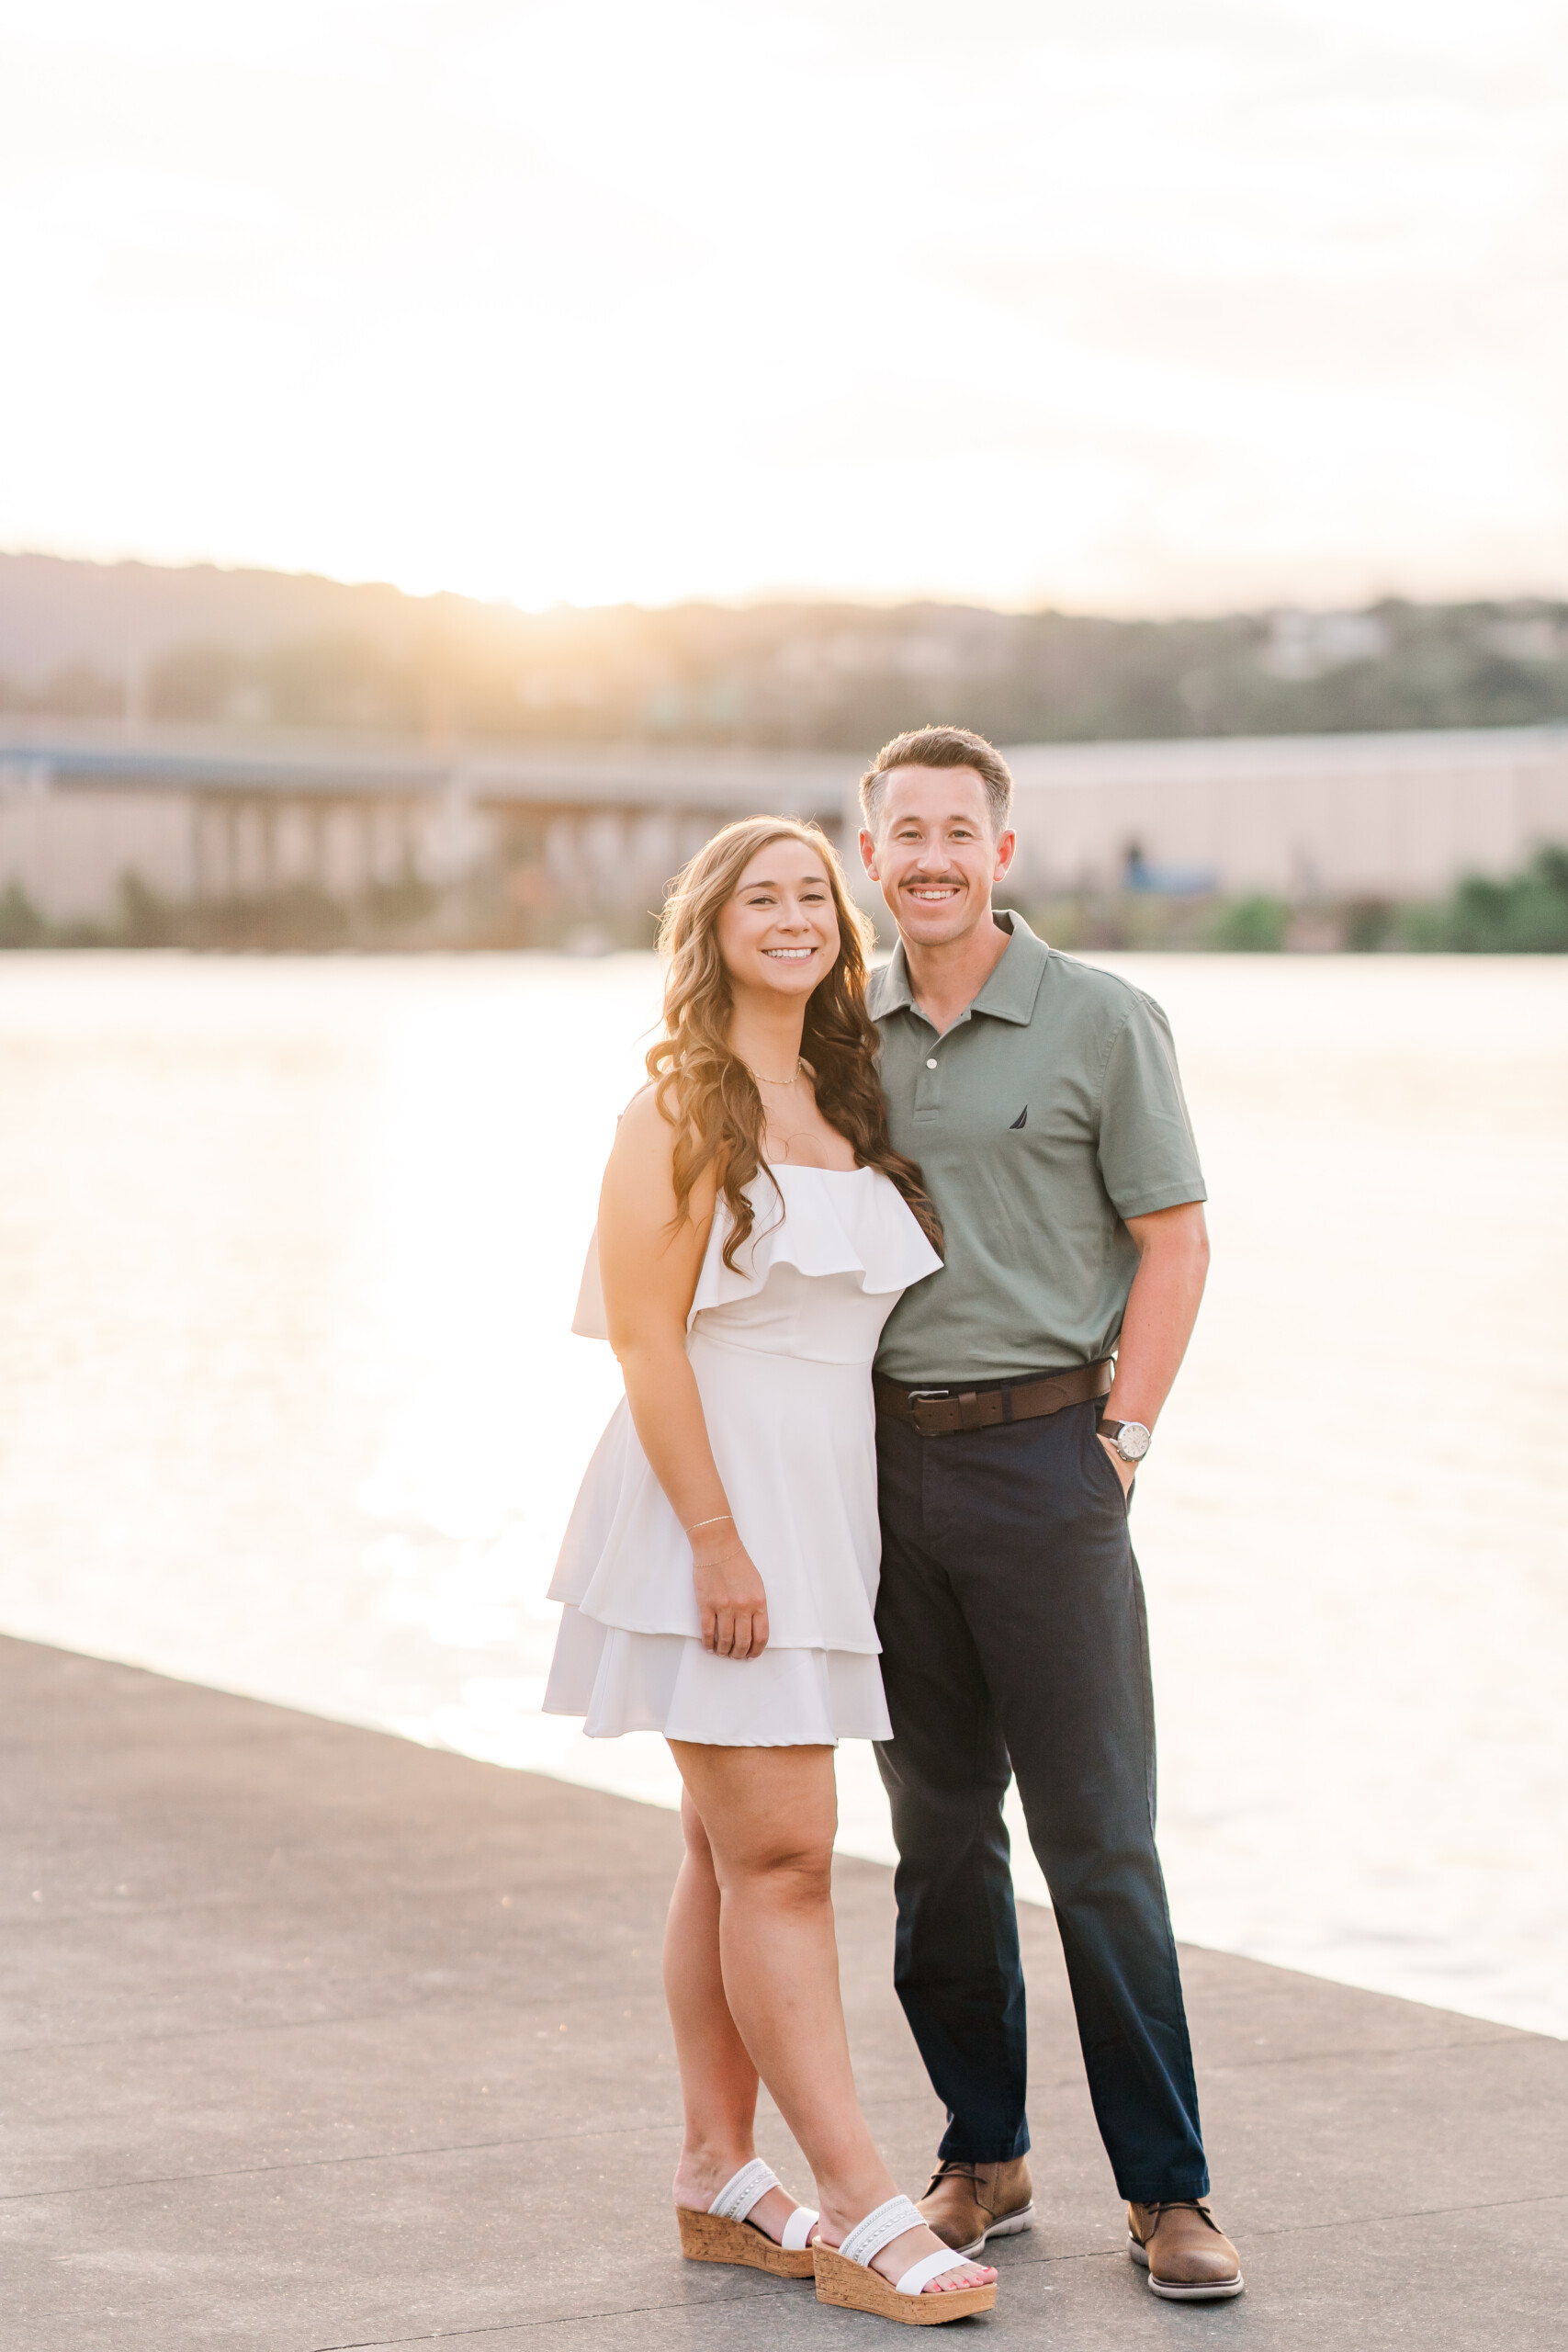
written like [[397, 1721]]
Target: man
[[1042, 1101]]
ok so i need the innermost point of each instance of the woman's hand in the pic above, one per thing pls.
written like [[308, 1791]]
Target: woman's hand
[[731, 1601]]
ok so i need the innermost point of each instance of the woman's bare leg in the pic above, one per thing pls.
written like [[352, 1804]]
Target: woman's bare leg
[[769, 1815], [719, 2081]]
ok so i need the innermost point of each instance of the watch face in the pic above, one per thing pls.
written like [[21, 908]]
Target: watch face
[[1134, 1442]]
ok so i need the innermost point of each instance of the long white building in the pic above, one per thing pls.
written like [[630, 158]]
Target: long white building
[[1300, 817], [206, 815]]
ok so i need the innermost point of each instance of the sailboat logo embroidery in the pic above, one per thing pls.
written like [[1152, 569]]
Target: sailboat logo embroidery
[[1022, 1120]]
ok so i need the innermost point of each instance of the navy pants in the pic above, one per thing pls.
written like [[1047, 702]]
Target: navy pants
[[1014, 1643]]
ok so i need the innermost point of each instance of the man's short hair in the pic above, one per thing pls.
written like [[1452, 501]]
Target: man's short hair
[[941, 747]]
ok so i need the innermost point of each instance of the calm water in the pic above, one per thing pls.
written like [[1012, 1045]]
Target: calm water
[[289, 1402]]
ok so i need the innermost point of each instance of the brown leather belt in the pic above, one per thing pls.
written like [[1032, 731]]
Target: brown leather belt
[[943, 1412]]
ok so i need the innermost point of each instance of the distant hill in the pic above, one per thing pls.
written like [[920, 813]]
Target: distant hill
[[271, 649]]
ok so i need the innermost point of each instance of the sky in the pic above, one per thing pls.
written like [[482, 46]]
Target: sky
[[1126, 305]]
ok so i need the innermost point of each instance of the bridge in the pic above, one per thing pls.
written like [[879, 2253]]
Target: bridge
[[202, 815]]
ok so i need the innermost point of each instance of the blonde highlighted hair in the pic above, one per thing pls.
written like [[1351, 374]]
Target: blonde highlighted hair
[[706, 1090]]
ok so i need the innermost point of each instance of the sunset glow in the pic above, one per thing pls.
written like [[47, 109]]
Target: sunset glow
[[1170, 304]]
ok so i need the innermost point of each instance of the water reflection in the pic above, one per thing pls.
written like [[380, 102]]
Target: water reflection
[[289, 1402]]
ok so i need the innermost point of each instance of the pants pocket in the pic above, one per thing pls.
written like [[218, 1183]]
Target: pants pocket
[[1103, 1470]]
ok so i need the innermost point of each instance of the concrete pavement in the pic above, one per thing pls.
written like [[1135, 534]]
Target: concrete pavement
[[311, 2039]]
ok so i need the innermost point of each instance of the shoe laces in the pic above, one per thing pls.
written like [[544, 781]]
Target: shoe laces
[[1183, 2205], [959, 2168]]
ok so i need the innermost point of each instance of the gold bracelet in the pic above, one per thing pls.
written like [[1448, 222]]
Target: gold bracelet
[[717, 1520], [721, 1560]]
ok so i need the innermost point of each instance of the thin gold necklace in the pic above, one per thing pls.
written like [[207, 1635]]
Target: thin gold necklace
[[790, 1081]]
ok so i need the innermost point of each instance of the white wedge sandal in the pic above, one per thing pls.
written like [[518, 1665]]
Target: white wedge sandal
[[724, 2235], [844, 2275]]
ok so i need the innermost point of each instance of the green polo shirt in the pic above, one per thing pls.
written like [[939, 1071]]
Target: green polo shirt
[[1051, 1111]]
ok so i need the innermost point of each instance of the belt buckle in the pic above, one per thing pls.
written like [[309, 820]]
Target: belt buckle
[[919, 1396]]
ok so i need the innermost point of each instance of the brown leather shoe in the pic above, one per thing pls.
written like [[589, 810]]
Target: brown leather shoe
[[966, 2203], [1187, 2255]]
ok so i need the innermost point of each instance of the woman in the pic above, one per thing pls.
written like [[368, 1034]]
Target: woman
[[719, 1573]]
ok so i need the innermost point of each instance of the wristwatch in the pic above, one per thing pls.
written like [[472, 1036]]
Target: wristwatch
[[1131, 1439]]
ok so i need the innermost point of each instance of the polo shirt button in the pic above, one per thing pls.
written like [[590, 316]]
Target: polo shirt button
[[931, 1065]]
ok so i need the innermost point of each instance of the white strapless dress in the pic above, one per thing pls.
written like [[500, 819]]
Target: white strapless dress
[[781, 1347]]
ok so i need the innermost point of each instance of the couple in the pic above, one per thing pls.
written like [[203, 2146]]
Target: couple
[[975, 1174]]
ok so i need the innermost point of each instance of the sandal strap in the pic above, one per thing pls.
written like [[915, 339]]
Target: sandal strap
[[743, 2190], [867, 2238], [930, 2266], [798, 2228]]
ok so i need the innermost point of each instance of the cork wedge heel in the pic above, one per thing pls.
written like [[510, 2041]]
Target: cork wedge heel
[[709, 2237], [844, 2275], [724, 2235]]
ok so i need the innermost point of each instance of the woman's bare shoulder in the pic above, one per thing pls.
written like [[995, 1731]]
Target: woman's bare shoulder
[[643, 1133], [640, 1174], [642, 1162]]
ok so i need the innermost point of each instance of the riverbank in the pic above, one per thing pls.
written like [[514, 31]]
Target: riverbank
[[289, 1403], [317, 2038]]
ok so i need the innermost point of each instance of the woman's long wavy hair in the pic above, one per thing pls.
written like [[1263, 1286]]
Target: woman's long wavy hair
[[706, 1090]]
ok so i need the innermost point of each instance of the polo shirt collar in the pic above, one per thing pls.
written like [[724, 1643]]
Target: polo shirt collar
[[1009, 995]]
